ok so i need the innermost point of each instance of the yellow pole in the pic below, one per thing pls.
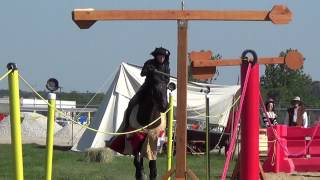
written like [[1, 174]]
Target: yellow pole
[[15, 121], [50, 132], [169, 160], [89, 118]]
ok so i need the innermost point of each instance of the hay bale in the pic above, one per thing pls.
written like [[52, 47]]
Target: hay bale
[[102, 155]]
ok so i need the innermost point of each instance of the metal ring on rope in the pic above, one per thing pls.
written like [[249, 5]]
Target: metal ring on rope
[[246, 59]]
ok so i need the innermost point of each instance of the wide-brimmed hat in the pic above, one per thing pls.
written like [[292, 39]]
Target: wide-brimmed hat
[[160, 51], [297, 98], [270, 100]]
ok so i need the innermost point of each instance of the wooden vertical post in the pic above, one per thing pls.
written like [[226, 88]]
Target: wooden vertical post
[[182, 70]]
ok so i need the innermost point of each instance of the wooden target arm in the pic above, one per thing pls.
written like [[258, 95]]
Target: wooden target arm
[[235, 62], [279, 14], [294, 60]]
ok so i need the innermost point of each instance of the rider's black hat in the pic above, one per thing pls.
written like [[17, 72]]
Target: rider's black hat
[[160, 51]]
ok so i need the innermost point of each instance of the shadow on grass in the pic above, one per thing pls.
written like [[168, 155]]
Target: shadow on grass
[[55, 147]]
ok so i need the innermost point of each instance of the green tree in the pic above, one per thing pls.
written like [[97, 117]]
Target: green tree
[[316, 89], [282, 84]]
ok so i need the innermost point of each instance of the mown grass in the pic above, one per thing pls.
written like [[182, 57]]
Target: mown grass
[[68, 165]]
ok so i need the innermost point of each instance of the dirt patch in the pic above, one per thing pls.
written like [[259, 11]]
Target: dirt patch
[[294, 176]]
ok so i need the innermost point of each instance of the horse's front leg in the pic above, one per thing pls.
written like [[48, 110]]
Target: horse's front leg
[[138, 163], [153, 169]]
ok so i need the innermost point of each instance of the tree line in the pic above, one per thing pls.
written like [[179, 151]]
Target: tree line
[[82, 98]]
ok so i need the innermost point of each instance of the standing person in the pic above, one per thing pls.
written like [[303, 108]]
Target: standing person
[[147, 105], [297, 116], [270, 113]]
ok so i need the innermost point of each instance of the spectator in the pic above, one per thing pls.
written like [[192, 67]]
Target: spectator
[[297, 116], [270, 113]]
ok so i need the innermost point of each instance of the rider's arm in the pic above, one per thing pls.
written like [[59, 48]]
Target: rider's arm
[[147, 68]]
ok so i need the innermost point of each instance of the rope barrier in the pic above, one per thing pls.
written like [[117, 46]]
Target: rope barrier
[[232, 143], [215, 116], [102, 86], [222, 133], [273, 159], [92, 129], [5, 75]]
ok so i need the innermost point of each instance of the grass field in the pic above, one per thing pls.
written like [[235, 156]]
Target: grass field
[[68, 165]]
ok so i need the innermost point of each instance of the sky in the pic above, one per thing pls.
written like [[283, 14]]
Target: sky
[[40, 36]]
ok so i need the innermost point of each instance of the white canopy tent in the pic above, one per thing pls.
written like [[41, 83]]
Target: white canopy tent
[[125, 84]]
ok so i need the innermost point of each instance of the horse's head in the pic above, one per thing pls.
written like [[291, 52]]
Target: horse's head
[[160, 96], [153, 103]]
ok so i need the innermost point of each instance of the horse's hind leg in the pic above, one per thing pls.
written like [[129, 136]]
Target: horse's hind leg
[[138, 163], [153, 169]]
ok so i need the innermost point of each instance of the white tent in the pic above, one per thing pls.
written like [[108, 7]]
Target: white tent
[[125, 84]]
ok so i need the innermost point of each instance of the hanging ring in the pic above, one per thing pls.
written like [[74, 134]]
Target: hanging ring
[[246, 59]]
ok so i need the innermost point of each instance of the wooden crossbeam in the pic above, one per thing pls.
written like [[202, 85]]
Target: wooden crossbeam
[[294, 60], [279, 14], [104, 15], [235, 62], [203, 68]]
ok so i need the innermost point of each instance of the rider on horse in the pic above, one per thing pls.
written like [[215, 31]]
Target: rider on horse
[[145, 107]]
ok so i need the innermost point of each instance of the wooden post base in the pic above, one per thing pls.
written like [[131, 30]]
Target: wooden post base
[[236, 172], [169, 174], [189, 173]]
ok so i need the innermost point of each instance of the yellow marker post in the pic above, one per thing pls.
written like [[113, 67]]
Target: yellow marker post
[[169, 160], [15, 121], [50, 132], [89, 118]]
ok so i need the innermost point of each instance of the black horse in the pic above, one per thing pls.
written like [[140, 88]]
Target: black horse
[[148, 106], [145, 107]]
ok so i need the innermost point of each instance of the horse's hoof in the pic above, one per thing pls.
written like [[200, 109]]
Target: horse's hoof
[[153, 178], [143, 176]]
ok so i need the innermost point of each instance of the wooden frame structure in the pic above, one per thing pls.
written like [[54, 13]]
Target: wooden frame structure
[[85, 18], [248, 163]]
